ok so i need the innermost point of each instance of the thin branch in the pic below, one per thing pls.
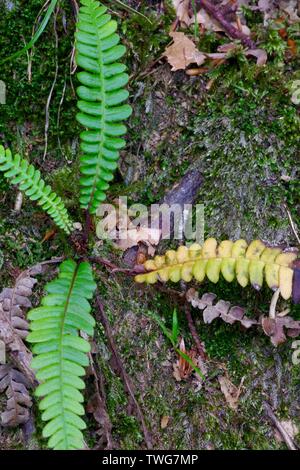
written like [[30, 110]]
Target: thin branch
[[287, 438], [194, 333], [272, 309], [231, 30], [292, 224], [101, 317]]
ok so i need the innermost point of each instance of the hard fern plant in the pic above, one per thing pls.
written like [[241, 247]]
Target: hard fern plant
[[60, 352], [60, 325]]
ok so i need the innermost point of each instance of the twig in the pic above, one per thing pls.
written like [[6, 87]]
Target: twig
[[138, 269], [287, 438], [292, 224], [52, 87], [104, 418], [231, 30], [101, 316], [194, 332]]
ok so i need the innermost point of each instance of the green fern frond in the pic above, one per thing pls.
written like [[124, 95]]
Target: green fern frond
[[101, 97], [61, 354], [29, 180]]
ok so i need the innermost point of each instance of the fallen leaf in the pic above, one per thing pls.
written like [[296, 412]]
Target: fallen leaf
[[183, 52], [182, 10], [15, 385], [292, 45], [164, 422], [182, 369], [49, 234], [279, 328], [222, 309], [230, 391], [149, 236], [260, 55]]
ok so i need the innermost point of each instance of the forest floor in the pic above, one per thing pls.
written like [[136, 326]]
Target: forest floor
[[237, 125]]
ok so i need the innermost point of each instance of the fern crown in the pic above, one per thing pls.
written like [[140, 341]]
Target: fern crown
[[101, 97], [61, 354]]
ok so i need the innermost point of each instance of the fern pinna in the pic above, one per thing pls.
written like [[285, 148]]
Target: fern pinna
[[101, 95], [61, 354], [234, 260], [29, 180]]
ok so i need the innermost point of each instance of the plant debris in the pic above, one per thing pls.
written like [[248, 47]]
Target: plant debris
[[16, 386], [230, 391]]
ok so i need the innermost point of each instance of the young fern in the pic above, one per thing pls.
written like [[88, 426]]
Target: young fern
[[29, 180], [101, 95], [61, 354], [234, 260]]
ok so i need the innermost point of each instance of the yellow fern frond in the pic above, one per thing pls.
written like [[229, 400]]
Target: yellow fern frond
[[251, 263]]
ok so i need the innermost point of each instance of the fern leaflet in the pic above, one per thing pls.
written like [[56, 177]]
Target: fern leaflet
[[101, 95], [29, 180], [61, 354]]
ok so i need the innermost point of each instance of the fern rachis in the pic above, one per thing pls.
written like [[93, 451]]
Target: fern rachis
[[101, 96], [60, 353]]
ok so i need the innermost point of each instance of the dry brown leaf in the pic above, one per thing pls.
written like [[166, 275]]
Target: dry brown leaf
[[230, 392], [183, 52], [182, 369], [164, 422], [260, 55], [149, 236], [13, 325], [15, 385], [222, 309], [15, 301], [279, 328], [182, 10]]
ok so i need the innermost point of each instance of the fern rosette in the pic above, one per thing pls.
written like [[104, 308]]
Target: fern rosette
[[60, 354], [101, 100]]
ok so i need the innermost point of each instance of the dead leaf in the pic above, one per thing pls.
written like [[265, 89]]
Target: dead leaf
[[182, 10], [149, 236], [182, 369], [164, 422], [222, 309], [48, 235], [14, 302], [15, 385], [230, 391], [279, 328], [183, 52]]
